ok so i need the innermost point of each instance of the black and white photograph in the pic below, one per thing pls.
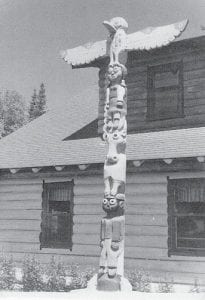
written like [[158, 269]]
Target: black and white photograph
[[102, 149]]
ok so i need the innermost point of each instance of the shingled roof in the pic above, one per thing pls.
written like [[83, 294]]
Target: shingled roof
[[40, 143]]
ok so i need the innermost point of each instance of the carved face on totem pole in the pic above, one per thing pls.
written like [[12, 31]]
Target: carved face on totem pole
[[116, 73], [114, 205]]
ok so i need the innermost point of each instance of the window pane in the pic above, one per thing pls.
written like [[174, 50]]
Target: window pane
[[59, 227], [186, 243], [192, 227], [166, 79], [59, 191], [59, 206], [190, 207], [166, 103], [190, 190]]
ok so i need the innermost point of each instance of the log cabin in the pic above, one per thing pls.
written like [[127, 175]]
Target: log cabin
[[51, 178]]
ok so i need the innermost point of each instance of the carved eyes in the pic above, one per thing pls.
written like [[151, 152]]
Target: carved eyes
[[105, 201], [113, 201]]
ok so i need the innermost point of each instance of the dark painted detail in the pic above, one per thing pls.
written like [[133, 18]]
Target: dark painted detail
[[88, 131]]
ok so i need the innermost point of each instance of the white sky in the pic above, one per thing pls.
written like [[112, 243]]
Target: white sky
[[32, 33]]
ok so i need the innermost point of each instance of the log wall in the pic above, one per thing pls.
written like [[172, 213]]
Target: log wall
[[193, 57], [146, 224]]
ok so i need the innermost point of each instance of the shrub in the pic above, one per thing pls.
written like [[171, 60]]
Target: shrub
[[140, 281], [7, 273], [78, 279], [32, 275], [165, 286], [56, 277]]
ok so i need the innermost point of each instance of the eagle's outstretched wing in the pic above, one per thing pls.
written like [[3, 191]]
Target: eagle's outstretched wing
[[154, 37], [85, 54]]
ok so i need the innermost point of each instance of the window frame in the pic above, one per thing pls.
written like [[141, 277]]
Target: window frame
[[45, 215], [172, 223], [151, 90]]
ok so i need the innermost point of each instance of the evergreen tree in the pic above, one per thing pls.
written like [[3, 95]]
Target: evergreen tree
[[38, 103], [42, 100], [33, 109]]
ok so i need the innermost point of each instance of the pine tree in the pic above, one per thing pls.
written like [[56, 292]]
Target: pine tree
[[33, 109], [42, 100], [38, 103]]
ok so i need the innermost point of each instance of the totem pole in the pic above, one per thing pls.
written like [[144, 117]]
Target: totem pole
[[114, 133], [117, 45]]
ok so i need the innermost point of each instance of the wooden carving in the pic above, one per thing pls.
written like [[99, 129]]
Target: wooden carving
[[118, 41], [110, 272]]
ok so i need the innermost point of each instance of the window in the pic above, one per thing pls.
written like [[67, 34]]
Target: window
[[186, 216], [57, 221], [165, 91]]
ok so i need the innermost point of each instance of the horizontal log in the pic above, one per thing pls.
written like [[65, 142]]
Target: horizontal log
[[194, 74], [33, 196], [146, 178], [141, 188], [87, 219], [24, 181], [86, 239], [151, 220], [197, 93], [145, 252], [194, 102], [145, 199], [20, 214], [193, 82], [146, 241], [86, 250], [135, 103], [20, 224], [152, 208], [137, 230], [87, 209], [19, 236], [87, 180], [21, 188], [20, 204], [88, 190], [168, 265], [89, 199], [195, 110], [86, 229]]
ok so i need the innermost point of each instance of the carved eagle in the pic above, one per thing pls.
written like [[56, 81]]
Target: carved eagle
[[146, 39]]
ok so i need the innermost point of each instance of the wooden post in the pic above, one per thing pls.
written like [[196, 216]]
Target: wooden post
[[114, 133]]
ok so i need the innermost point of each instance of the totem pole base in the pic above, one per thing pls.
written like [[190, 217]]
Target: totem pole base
[[95, 285], [105, 283]]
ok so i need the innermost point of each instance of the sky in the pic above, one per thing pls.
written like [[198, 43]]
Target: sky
[[33, 32]]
